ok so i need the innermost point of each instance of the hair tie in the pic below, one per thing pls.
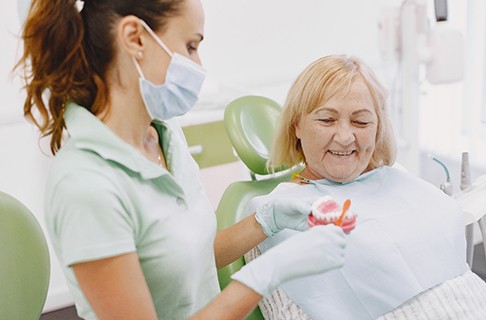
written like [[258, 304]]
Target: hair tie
[[79, 4]]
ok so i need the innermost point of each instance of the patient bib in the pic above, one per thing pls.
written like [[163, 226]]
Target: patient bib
[[409, 237]]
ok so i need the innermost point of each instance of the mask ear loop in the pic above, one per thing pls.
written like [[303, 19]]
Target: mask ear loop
[[137, 66], [156, 37]]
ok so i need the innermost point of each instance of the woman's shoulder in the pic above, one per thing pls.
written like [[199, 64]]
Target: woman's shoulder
[[402, 174], [71, 159], [73, 168], [284, 186], [403, 182]]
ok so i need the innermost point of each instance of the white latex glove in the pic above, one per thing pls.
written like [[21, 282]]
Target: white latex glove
[[281, 213], [317, 250]]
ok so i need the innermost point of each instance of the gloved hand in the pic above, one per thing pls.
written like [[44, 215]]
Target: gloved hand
[[281, 213], [317, 250]]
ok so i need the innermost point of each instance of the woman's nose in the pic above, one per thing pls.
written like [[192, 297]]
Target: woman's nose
[[344, 134]]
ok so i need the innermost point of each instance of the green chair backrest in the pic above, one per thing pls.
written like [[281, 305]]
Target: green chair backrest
[[230, 210], [250, 122], [24, 262]]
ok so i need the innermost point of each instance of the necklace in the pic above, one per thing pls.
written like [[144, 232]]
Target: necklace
[[296, 175], [153, 139]]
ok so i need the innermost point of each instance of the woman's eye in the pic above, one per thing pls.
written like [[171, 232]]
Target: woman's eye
[[361, 123], [326, 120]]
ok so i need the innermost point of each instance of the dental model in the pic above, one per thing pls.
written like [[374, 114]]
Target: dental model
[[326, 210]]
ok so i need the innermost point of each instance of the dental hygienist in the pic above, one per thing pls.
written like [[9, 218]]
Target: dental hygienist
[[130, 223]]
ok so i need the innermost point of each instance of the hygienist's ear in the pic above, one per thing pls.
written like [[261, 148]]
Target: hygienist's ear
[[131, 36]]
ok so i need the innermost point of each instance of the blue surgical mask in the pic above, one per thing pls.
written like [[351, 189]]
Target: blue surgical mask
[[180, 91]]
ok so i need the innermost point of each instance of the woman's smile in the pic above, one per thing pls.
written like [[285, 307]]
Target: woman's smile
[[341, 153]]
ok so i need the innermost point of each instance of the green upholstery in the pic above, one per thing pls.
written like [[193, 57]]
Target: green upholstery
[[250, 122], [230, 210], [24, 262]]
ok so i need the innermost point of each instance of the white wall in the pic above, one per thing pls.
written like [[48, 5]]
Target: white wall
[[258, 46], [255, 44]]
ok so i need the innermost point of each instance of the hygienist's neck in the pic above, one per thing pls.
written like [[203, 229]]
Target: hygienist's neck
[[127, 116]]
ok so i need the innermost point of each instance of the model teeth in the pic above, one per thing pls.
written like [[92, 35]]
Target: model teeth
[[341, 153], [331, 216]]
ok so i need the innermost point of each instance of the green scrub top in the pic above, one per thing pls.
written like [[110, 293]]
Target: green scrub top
[[105, 199]]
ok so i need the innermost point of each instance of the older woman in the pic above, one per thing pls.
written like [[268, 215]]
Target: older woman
[[406, 256]]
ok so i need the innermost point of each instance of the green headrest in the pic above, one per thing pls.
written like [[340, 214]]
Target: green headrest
[[250, 122]]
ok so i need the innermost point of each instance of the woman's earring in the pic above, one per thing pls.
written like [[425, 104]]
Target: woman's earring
[[140, 54]]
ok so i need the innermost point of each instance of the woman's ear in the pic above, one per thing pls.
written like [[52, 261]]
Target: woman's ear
[[297, 130], [131, 36]]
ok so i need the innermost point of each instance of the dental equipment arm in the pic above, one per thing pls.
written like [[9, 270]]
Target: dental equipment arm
[[473, 201], [473, 204], [440, 8], [447, 186]]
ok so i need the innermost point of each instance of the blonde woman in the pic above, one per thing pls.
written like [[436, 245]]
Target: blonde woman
[[405, 259]]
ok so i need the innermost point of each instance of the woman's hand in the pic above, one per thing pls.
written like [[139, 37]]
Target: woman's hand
[[281, 213], [315, 251]]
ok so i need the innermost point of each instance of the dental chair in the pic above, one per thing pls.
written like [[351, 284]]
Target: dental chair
[[250, 122], [24, 262]]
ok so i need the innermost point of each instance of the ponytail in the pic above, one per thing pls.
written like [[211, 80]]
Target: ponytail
[[54, 65], [67, 54]]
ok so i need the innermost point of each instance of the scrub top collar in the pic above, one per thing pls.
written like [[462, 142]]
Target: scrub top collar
[[90, 133]]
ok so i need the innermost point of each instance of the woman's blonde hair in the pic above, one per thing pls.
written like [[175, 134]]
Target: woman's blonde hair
[[320, 81]]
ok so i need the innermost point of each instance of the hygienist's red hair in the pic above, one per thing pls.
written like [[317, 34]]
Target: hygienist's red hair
[[68, 54]]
